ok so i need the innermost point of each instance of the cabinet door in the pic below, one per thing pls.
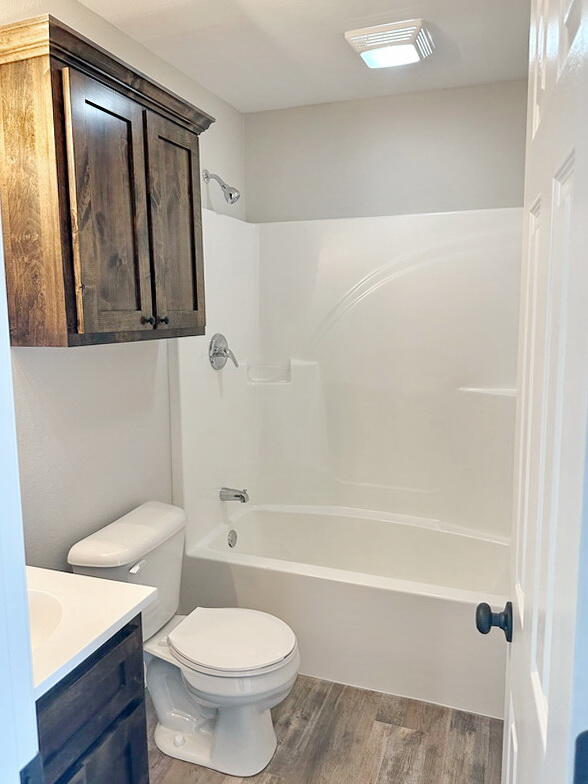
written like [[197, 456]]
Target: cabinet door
[[77, 711], [119, 757], [176, 225], [106, 162]]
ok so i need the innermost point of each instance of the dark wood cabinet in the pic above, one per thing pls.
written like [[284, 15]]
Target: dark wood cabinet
[[92, 726], [174, 204], [108, 199], [115, 759], [100, 195]]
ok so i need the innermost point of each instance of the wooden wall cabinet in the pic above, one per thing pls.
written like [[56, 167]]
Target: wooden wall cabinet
[[99, 195]]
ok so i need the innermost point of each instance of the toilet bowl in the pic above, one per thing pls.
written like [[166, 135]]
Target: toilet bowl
[[214, 709], [213, 675]]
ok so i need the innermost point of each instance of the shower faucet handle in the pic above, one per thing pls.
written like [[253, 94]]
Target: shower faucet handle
[[228, 353], [219, 352]]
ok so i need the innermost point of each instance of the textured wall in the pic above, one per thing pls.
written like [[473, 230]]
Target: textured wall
[[93, 435]]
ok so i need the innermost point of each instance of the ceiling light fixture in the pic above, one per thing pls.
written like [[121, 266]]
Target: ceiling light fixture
[[388, 45]]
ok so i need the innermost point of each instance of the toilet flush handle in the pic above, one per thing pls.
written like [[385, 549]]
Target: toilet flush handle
[[137, 567]]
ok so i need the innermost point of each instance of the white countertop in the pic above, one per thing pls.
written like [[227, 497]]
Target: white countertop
[[71, 616]]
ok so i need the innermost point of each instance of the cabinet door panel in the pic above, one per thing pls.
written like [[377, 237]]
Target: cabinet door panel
[[176, 224], [106, 161], [81, 707], [120, 756]]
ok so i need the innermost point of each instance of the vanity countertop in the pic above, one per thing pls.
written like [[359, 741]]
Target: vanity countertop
[[72, 615]]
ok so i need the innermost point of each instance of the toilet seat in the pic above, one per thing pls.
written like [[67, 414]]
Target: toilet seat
[[231, 641]]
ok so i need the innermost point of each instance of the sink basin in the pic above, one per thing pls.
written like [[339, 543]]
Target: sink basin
[[71, 616], [45, 613]]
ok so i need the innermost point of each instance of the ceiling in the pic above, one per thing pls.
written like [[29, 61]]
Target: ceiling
[[269, 54]]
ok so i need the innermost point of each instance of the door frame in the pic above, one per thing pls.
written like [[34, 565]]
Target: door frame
[[18, 739]]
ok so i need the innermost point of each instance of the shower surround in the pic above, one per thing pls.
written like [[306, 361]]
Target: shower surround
[[371, 420]]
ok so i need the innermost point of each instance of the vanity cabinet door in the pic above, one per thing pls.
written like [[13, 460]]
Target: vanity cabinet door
[[108, 202], [173, 172], [120, 757], [104, 696]]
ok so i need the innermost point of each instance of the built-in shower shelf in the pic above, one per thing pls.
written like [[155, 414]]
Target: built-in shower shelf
[[495, 391], [270, 374]]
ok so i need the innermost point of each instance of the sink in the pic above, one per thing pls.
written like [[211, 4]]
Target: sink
[[71, 616], [45, 613]]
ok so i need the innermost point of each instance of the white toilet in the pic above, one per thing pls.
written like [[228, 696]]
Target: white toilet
[[214, 674]]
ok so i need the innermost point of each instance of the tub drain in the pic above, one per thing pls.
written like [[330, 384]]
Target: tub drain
[[232, 538]]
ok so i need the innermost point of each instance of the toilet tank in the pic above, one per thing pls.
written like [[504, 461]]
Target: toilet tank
[[145, 547]]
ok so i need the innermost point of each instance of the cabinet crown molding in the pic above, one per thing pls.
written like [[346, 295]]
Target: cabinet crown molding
[[45, 35]]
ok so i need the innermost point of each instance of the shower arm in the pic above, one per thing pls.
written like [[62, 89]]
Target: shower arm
[[231, 194], [207, 176]]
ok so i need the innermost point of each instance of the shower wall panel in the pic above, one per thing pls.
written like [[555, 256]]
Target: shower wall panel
[[214, 423], [400, 335]]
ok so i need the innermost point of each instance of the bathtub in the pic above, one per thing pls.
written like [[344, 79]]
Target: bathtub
[[376, 601]]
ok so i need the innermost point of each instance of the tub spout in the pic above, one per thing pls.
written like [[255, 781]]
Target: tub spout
[[230, 494]]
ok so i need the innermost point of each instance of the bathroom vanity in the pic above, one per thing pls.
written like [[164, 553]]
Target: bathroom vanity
[[87, 650], [100, 194], [92, 727]]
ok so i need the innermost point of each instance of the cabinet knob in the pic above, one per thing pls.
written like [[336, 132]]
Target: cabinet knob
[[147, 320], [162, 320]]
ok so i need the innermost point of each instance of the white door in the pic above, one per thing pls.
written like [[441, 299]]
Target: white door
[[544, 703]]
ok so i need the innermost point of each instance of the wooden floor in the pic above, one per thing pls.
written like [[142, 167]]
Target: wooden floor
[[333, 734]]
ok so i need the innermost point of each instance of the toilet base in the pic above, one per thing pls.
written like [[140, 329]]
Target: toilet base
[[241, 742], [215, 721]]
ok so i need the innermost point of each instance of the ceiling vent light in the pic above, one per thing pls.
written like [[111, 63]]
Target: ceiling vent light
[[387, 45]]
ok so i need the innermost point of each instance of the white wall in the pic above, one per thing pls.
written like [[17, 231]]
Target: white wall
[[215, 425], [386, 319], [221, 145], [94, 439], [457, 149]]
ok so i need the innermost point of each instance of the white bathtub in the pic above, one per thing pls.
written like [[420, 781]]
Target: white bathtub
[[375, 601]]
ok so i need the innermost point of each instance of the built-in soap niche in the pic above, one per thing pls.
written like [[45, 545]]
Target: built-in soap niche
[[270, 373]]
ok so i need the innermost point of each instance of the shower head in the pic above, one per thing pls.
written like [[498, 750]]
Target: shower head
[[232, 195]]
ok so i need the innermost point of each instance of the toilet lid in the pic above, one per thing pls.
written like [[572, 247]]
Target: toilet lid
[[232, 639]]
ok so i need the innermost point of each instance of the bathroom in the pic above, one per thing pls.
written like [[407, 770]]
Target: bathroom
[[318, 378]]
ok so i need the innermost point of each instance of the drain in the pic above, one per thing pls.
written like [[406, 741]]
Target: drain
[[232, 538]]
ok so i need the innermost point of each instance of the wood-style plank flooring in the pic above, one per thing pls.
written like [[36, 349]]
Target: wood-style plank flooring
[[334, 734]]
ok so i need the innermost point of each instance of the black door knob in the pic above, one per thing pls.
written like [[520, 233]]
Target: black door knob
[[486, 619]]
